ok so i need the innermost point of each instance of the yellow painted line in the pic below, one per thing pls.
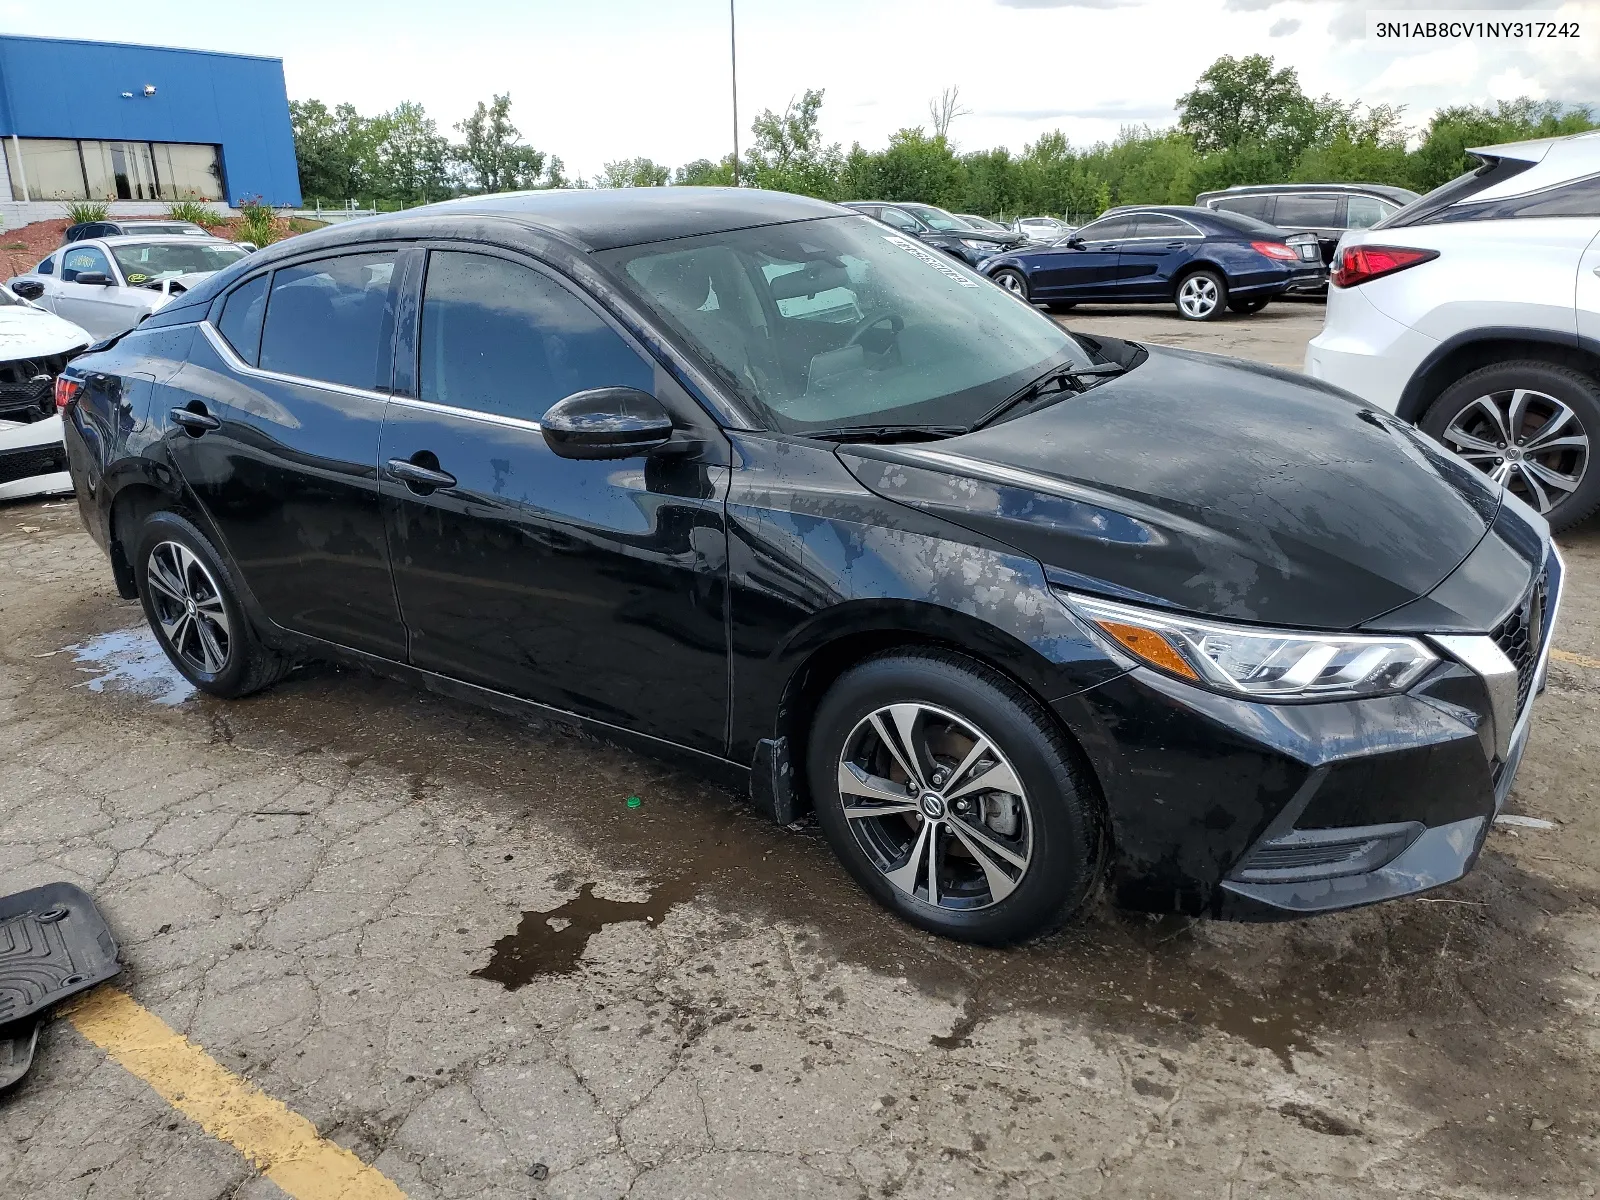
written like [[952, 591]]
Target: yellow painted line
[[283, 1145], [1577, 660]]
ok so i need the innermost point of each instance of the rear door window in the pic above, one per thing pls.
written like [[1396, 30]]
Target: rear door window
[[893, 216], [1160, 225], [1316, 212], [499, 337], [1259, 207], [240, 323], [332, 320]]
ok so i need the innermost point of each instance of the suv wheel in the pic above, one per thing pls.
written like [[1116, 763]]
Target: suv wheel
[[952, 798], [190, 602], [1202, 296], [1527, 425]]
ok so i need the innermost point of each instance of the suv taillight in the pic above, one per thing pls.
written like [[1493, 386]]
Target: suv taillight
[[1359, 264], [66, 391], [1275, 250]]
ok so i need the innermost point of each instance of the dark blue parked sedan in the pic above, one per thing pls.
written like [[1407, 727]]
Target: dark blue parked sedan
[[1200, 259]]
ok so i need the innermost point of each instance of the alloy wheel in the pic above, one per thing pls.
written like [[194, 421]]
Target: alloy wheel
[[936, 806], [1198, 296], [188, 606], [1013, 284], [1527, 440]]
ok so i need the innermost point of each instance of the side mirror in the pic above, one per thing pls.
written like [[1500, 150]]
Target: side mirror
[[28, 289], [247, 247], [1074, 242], [608, 422], [93, 279]]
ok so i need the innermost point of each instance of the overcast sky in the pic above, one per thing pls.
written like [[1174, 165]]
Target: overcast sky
[[594, 80]]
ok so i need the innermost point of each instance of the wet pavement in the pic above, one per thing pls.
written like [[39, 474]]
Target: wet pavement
[[448, 940]]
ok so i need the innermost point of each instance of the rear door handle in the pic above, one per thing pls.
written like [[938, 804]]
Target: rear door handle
[[418, 477], [195, 422]]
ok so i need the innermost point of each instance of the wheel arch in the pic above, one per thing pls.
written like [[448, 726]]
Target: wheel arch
[[815, 658], [1468, 351]]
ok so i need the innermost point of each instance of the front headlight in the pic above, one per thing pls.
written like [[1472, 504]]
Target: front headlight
[[1258, 663], [973, 244]]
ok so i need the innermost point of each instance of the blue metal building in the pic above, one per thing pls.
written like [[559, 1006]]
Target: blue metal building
[[110, 121]]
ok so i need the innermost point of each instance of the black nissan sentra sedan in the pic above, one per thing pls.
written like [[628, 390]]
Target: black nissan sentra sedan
[[755, 481]]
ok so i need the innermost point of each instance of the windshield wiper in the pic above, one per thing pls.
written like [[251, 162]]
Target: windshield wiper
[[885, 433], [1035, 389]]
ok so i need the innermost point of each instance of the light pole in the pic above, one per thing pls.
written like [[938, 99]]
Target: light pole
[[733, 59]]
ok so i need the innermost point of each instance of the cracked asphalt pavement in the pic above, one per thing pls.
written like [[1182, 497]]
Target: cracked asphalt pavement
[[445, 938]]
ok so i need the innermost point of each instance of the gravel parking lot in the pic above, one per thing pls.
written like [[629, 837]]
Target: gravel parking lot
[[452, 944]]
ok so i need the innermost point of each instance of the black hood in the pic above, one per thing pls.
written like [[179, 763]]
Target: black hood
[[1209, 485]]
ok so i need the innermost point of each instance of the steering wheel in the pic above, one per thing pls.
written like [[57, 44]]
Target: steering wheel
[[869, 322]]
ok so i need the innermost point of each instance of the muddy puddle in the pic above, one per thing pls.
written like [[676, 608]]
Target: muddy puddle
[[132, 661]]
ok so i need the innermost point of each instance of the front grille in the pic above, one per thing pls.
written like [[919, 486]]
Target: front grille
[[35, 460], [30, 382], [1521, 634]]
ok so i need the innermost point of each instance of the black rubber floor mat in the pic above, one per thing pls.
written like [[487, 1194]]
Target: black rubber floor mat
[[53, 943], [17, 1041]]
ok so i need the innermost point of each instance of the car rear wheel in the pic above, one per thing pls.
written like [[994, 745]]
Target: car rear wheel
[[1062, 306], [1201, 296], [953, 799], [195, 614], [1245, 307], [1527, 425], [1013, 282]]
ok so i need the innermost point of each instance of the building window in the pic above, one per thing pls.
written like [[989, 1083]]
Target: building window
[[68, 169]]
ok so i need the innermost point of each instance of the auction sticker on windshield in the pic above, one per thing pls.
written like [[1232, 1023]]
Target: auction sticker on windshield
[[917, 251]]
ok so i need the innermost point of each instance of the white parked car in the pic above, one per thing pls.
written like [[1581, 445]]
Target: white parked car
[[108, 285], [1042, 229], [34, 346], [1475, 313]]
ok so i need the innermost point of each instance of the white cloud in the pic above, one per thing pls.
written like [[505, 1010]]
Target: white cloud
[[1283, 27]]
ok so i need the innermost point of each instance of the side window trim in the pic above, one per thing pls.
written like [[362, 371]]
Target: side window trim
[[214, 313]]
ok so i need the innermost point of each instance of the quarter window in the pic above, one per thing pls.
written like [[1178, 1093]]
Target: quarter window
[[332, 320], [82, 259], [1580, 198], [47, 267], [501, 338], [1363, 212], [240, 323], [1258, 207]]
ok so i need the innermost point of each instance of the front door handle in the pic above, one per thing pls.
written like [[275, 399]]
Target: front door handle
[[419, 476], [195, 422]]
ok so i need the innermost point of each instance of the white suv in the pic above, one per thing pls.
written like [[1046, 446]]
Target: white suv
[[1475, 312]]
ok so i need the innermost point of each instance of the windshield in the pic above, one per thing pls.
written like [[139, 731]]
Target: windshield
[[937, 218], [843, 323], [152, 262]]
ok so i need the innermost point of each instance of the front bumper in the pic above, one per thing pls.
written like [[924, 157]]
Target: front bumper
[[1248, 811]]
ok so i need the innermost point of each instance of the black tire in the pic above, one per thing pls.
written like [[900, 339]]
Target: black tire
[[246, 665], [1216, 300], [1057, 812], [1062, 306], [1246, 307], [1457, 418], [1014, 282]]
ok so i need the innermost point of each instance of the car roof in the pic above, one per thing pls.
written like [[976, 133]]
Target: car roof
[[145, 239], [606, 218], [1388, 191]]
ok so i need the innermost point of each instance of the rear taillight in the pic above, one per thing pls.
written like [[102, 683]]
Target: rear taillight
[[66, 391], [1275, 250], [1359, 264]]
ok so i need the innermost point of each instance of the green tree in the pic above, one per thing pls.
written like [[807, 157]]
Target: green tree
[[337, 150], [413, 158], [492, 152], [914, 166], [633, 172], [702, 172], [1442, 155], [1243, 100], [788, 154]]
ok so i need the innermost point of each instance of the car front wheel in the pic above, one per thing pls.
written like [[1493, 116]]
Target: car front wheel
[[1527, 425], [1202, 296], [195, 614], [953, 799]]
